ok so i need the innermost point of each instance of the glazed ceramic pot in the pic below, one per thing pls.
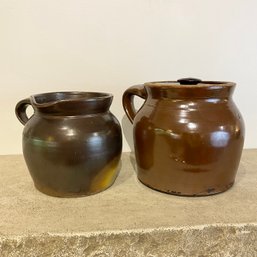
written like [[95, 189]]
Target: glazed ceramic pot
[[72, 143], [188, 135]]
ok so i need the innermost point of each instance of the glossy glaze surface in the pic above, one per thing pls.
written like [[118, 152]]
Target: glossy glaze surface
[[72, 144], [188, 138]]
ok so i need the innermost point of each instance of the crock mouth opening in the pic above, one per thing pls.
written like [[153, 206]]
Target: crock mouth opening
[[176, 84], [74, 96]]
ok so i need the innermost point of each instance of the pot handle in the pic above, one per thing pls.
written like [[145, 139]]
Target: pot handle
[[128, 100], [20, 110]]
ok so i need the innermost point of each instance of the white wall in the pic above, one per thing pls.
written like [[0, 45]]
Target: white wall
[[109, 45]]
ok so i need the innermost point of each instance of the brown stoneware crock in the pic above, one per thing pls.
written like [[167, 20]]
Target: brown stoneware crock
[[72, 143], [188, 135]]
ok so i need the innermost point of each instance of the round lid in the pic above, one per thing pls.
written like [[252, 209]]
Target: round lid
[[189, 88], [190, 82]]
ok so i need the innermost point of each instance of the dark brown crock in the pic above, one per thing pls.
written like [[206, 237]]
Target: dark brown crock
[[188, 135], [72, 143]]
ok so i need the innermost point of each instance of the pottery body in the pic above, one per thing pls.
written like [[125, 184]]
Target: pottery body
[[188, 136], [72, 144]]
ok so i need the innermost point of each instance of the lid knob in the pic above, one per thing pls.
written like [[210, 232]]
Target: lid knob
[[189, 81]]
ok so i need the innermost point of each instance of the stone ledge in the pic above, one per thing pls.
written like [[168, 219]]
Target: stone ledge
[[215, 240], [128, 219]]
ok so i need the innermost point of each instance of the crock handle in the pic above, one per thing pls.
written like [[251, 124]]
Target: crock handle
[[128, 100], [20, 110]]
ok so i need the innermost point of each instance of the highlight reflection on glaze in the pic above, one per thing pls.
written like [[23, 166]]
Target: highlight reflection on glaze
[[220, 138]]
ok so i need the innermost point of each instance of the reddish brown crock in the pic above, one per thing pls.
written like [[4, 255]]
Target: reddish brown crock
[[188, 135]]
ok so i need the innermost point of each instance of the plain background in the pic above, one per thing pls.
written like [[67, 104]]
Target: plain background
[[109, 45]]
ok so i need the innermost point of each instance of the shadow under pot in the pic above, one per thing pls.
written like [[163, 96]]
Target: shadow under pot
[[72, 143], [188, 135]]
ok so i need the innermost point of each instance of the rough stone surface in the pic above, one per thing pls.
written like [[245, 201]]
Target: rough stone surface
[[128, 219], [225, 241]]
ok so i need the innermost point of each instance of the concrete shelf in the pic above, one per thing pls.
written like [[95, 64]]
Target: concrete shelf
[[127, 219]]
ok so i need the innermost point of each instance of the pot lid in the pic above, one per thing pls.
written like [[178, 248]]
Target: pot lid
[[190, 82]]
